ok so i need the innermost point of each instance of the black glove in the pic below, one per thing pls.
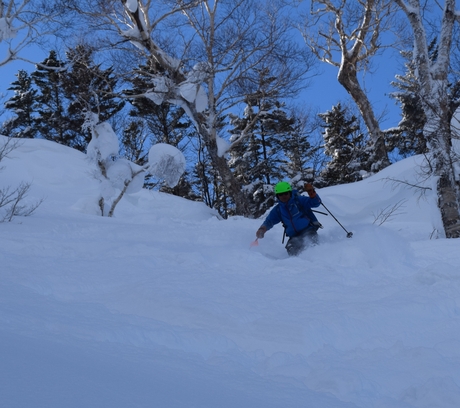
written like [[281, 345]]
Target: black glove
[[310, 190], [261, 232]]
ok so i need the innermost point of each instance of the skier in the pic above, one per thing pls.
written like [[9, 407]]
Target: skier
[[294, 211]]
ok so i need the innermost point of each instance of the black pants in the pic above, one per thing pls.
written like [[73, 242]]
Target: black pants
[[306, 238]]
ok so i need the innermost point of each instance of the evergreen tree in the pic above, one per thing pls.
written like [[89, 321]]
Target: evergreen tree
[[22, 104], [68, 91], [258, 160], [344, 143], [51, 122], [408, 138], [204, 178], [133, 142], [88, 88], [300, 164]]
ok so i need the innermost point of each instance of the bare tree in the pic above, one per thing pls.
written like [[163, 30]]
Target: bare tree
[[12, 203], [23, 23], [434, 93], [204, 56], [7, 145], [346, 34], [13, 200], [390, 211]]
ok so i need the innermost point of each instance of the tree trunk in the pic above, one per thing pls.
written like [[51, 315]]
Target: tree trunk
[[205, 126], [231, 185], [448, 205], [447, 187], [433, 79], [207, 133], [347, 77]]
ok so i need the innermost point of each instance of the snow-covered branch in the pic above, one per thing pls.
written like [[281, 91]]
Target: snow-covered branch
[[203, 57], [120, 176], [432, 77], [22, 22]]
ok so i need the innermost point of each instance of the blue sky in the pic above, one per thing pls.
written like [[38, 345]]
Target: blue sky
[[325, 91]]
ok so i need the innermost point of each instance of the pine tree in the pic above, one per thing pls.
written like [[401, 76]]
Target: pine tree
[[133, 142], [258, 160], [22, 104], [301, 162], [408, 138], [344, 143], [51, 122], [204, 178], [68, 91], [88, 88]]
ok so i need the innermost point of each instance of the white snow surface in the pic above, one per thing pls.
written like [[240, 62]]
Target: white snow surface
[[166, 305]]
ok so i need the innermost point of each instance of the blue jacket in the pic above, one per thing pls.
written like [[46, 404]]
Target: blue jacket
[[294, 219]]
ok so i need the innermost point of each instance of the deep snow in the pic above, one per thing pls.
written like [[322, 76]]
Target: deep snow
[[166, 305]]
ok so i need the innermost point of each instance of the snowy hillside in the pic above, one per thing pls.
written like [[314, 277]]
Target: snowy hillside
[[165, 305]]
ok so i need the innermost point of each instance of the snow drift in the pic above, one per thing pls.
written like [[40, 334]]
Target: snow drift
[[165, 305]]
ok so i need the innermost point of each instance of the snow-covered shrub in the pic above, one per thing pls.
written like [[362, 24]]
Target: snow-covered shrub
[[120, 176]]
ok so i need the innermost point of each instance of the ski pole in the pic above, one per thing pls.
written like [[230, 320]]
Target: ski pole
[[319, 212], [349, 234]]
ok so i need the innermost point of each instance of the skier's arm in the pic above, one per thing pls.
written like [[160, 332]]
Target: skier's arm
[[313, 199], [272, 218]]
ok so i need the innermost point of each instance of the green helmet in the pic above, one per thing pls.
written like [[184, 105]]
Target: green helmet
[[282, 187]]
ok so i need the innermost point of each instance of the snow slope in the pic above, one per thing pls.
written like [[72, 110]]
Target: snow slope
[[166, 305]]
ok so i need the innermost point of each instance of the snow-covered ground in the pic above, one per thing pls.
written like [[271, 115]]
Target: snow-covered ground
[[165, 305]]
